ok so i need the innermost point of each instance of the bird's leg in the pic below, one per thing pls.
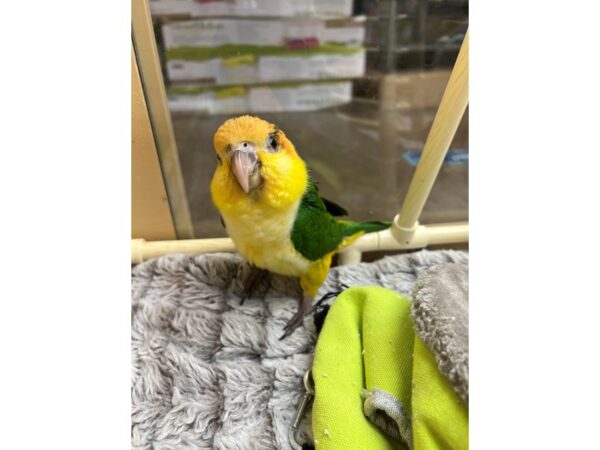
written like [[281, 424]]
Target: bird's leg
[[304, 306], [310, 283], [254, 279]]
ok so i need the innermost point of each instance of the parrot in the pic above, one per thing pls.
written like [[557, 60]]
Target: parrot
[[272, 210]]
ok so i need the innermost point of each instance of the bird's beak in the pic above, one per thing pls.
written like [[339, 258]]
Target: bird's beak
[[244, 165]]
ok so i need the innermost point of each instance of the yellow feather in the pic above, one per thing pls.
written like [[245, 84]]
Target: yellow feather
[[349, 240], [318, 270], [260, 223], [285, 175], [312, 280]]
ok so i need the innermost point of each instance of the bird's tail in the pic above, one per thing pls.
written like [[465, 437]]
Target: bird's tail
[[354, 230], [350, 228]]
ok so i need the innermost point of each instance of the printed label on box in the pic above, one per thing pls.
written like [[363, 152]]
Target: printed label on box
[[214, 33], [171, 7], [272, 68], [193, 70], [218, 32], [304, 97], [352, 36], [253, 8]]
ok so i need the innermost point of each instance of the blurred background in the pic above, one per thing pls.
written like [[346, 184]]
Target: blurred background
[[354, 84]]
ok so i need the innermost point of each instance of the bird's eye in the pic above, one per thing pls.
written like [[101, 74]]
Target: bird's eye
[[272, 144]]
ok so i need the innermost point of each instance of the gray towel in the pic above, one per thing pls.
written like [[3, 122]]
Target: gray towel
[[440, 312], [209, 373]]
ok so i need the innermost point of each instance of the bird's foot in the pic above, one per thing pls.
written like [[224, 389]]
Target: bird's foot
[[321, 307], [254, 279], [304, 306], [319, 304]]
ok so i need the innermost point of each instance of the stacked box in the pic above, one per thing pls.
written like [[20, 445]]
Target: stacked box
[[260, 55], [261, 98], [230, 51], [252, 8]]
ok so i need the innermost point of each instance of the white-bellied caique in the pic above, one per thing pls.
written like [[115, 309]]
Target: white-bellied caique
[[272, 210]]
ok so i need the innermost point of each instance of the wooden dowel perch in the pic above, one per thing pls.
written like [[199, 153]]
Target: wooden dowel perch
[[446, 121], [142, 250]]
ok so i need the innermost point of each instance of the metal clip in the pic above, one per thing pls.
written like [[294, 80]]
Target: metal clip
[[308, 397]]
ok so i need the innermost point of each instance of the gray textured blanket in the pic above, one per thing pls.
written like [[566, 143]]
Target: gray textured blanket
[[440, 313], [208, 372]]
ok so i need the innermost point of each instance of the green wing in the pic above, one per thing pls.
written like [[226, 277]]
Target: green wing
[[316, 232]]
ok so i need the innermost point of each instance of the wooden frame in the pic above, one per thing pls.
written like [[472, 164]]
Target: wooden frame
[[406, 232], [160, 117], [150, 213]]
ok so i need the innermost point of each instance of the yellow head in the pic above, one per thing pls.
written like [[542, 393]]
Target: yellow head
[[257, 164]]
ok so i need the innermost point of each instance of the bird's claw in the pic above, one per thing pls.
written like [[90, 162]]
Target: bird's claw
[[254, 279], [297, 319], [292, 324]]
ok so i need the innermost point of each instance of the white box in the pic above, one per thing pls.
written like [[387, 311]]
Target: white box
[[193, 70], [236, 51], [218, 32], [352, 35], [253, 8], [259, 99], [270, 69], [306, 97], [241, 70], [211, 101], [317, 67], [244, 8], [171, 7]]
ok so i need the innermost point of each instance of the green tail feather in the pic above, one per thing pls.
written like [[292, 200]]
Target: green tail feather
[[350, 228]]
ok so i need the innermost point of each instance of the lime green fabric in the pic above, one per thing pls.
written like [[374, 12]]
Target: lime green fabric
[[341, 370], [440, 418], [367, 342]]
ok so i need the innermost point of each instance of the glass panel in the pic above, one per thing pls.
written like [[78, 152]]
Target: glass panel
[[354, 84]]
